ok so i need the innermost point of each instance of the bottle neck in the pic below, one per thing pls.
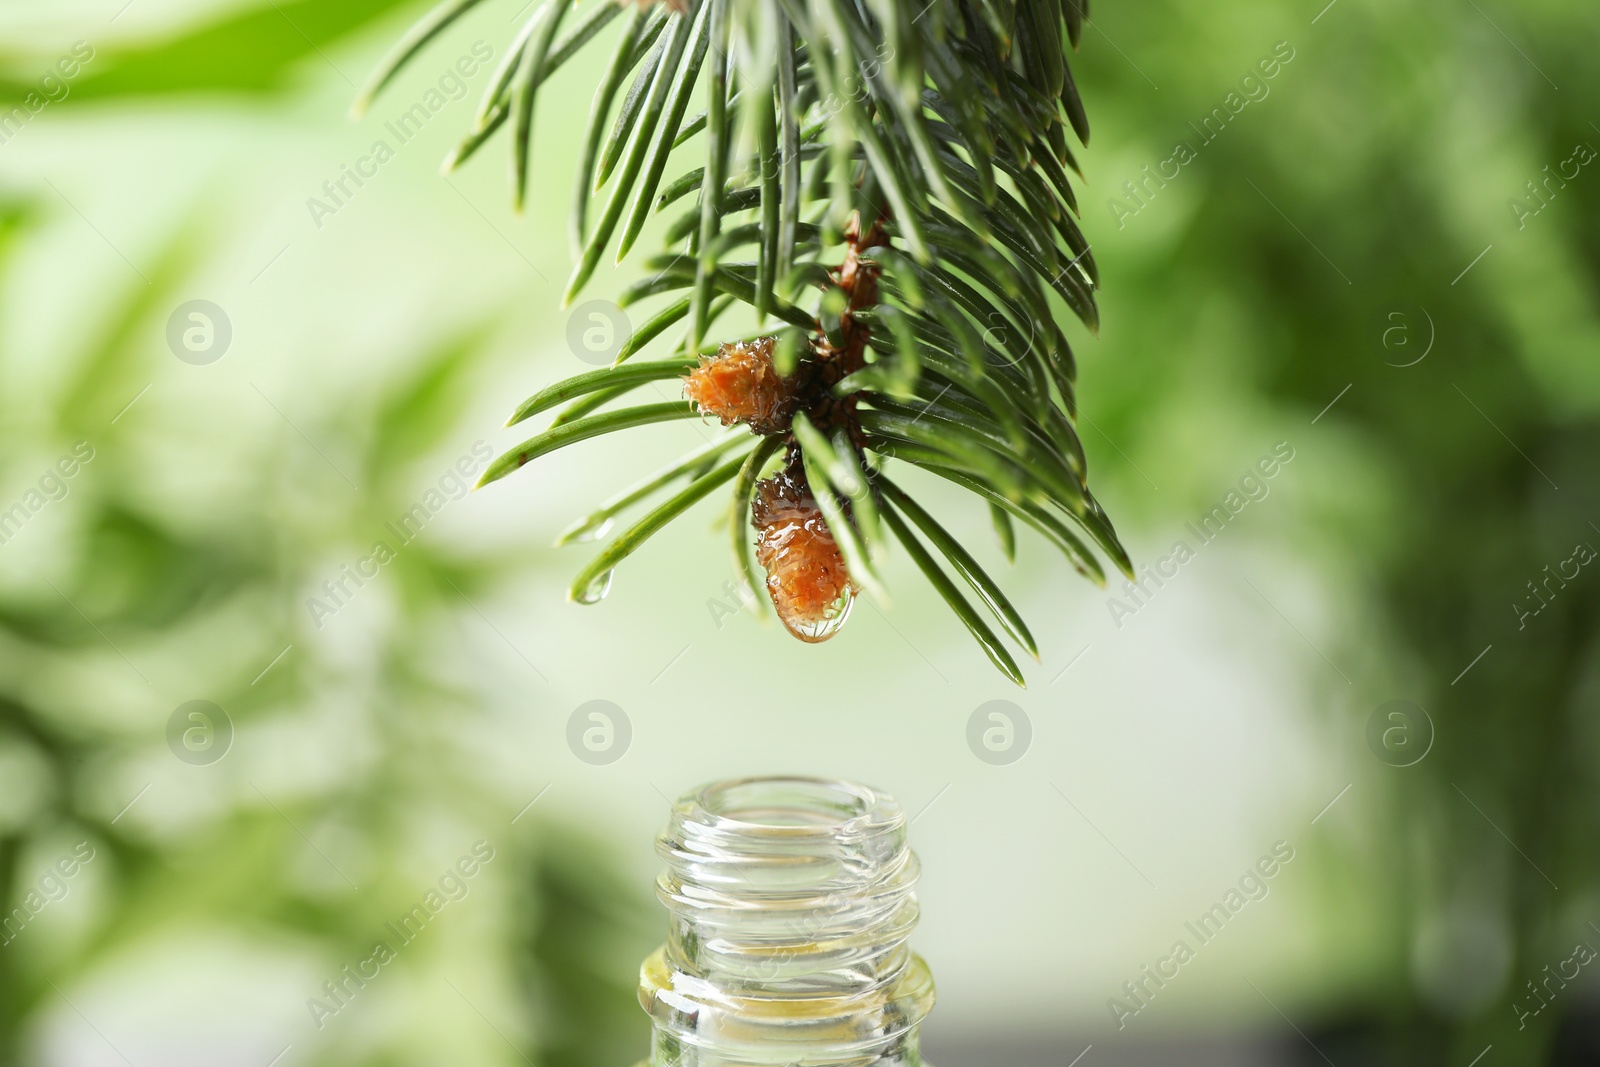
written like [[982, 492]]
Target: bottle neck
[[790, 902]]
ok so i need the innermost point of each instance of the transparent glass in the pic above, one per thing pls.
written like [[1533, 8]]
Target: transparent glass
[[791, 900]]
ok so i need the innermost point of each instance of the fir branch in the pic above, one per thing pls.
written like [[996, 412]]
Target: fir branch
[[900, 175]]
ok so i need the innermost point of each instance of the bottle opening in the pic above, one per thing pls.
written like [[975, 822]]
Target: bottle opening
[[790, 901], [784, 803]]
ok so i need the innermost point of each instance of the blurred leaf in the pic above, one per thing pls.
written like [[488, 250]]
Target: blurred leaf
[[255, 51], [583, 939]]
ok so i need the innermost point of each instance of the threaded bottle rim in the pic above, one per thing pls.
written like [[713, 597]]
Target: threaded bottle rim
[[791, 901], [766, 837]]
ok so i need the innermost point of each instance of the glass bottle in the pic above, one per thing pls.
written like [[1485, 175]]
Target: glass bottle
[[791, 900]]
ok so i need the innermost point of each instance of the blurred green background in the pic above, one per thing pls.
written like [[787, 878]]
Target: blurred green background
[[1345, 264]]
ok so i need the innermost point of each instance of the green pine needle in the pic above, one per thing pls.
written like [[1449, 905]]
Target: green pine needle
[[934, 140]]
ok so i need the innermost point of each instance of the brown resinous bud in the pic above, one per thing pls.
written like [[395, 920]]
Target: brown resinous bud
[[740, 385], [807, 580]]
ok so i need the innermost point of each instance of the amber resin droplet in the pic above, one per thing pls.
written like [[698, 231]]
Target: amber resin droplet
[[807, 579], [740, 385]]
